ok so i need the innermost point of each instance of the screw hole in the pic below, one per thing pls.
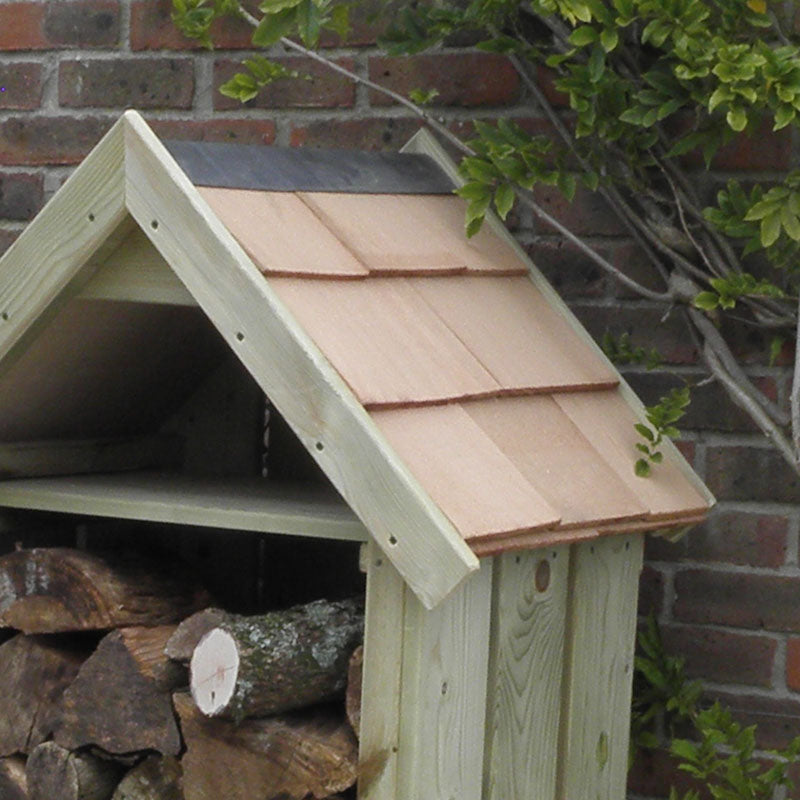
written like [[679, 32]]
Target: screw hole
[[591, 549], [627, 545], [444, 688], [239, 337], [379, 562], [517, 559], [319, 446], [91, 217], [4, 316], [393, 541], [154, 224]]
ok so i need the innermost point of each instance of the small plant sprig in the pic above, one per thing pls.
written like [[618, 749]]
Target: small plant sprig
[[620, 350], [661, 418], [724, 759]]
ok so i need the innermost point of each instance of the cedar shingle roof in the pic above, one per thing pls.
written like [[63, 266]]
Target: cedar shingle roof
[[510, 420]]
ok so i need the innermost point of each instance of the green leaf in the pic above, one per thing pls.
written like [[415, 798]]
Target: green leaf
[[771, 228], [274, 6], [645, 431], [504, 199], [582, 36], [775, 348], [423, 97], [641, 468], [273, 27], [609, 39], [597, 63], [309, 22], [737, 119], [708, 301]]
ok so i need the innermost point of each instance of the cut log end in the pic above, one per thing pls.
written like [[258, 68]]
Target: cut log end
[[215, 672]]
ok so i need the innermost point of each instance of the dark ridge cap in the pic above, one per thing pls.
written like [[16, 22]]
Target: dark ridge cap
[[277, 169]]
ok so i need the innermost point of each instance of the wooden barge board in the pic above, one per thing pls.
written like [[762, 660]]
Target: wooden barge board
[[237, 504]]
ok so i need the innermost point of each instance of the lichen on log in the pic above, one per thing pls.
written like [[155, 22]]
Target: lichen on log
[[276, 662]]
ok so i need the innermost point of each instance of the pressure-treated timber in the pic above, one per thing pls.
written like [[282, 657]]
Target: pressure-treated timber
[[424, 143], [55, 772], [270, 663], [443, 696], [135, 271], [121, 698], [235, 504], [380, 693], [352, 696], [525, 673], [601, 632], [332, 425], [37, 459], [52, 254]]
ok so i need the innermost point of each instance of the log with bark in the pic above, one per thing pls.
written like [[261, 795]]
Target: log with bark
[[155, 778], [120, 699], [50, 590], [55, 772], [275, 662], [188, 634], [35, 671], [295, 756], [13, 784]]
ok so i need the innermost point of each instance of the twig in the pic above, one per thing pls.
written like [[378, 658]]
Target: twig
[[753, 409], [398, 98], [794, 399], [713, 339]]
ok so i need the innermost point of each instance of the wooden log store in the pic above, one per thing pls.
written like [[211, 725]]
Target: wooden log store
[[431, 401]]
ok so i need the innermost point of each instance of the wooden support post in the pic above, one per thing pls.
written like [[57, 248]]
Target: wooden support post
[[526, 670], [600, 641], [380, 689], [443, 699]]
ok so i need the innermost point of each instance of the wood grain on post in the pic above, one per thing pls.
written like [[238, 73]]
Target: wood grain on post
[[50, 590], [155, 778], [275, 662], [120, 699], [55, 772], [13, 783], [308, 754], [35, 672]]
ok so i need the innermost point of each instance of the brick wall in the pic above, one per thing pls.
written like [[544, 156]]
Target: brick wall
[[728, 595]]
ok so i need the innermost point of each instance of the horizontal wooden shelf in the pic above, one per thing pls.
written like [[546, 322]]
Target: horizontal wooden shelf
[[247, 504]]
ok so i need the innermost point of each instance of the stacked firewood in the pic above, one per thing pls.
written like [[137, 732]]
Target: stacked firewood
[[119, 682]]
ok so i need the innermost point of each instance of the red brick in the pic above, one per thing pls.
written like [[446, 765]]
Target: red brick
[[738, 599], [651, 591], [570, 272], [588, 214], [40, 26], [50, 140], [20, 195], [722, 656], [240, 131], [711, 407], [546, 78], [152, 29], [462, 79], [751, 473], [124, 83], [736, 537], [360, 134], [793, 664], [7, 239], [687, 450], [323, 89], [777, 718], [21, 85], [644, 326]]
